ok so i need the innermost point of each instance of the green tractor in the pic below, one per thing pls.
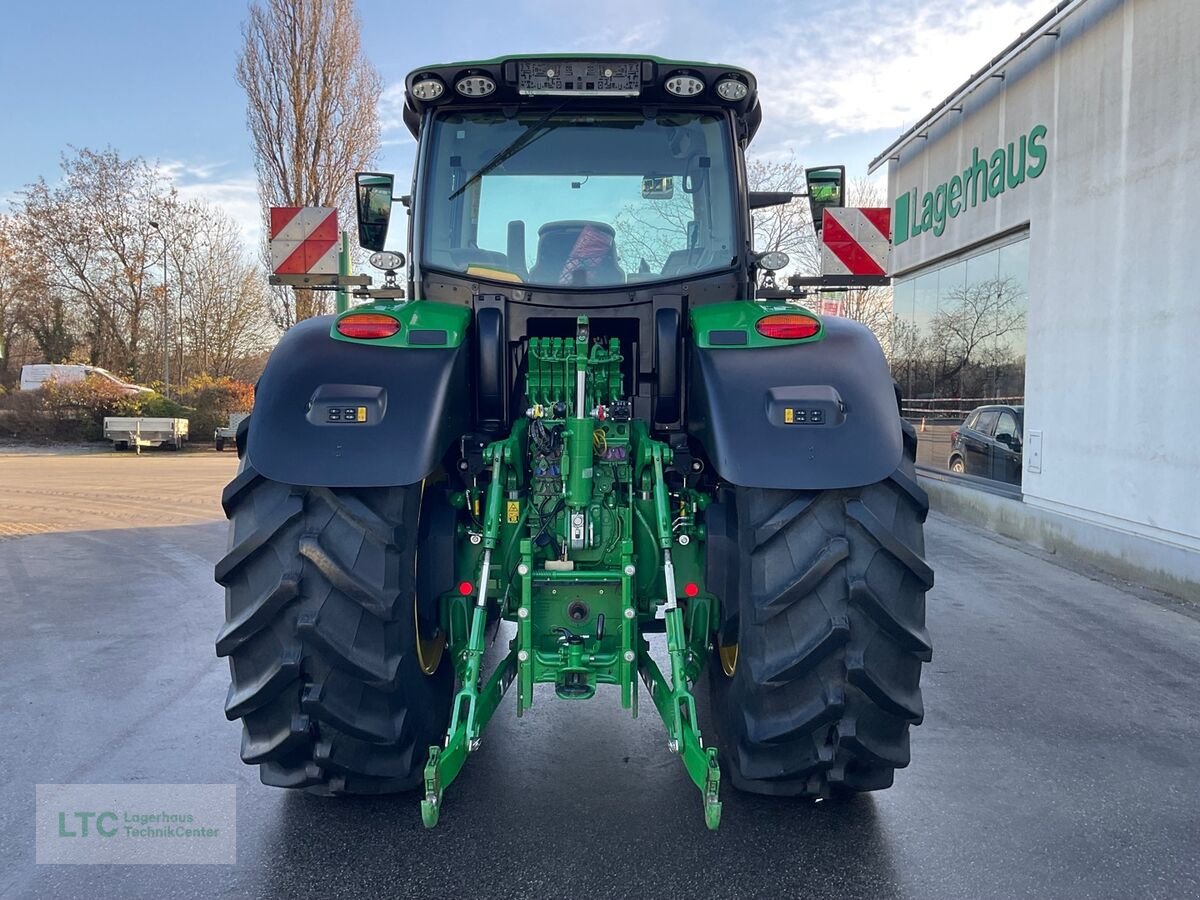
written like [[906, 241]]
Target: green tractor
[[595, 418]]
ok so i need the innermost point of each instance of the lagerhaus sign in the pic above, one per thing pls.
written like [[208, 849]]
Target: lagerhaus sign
[[986, 177]]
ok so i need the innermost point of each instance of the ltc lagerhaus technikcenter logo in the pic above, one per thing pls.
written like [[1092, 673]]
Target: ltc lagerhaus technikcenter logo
[[136, 824], [984, 178]]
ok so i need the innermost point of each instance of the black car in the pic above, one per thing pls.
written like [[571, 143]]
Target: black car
[[988, 443]]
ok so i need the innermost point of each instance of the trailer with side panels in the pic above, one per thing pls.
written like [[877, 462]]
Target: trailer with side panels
[[227, 434], [145, 431]]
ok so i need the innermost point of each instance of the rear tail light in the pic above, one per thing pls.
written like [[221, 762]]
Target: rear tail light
[[367, 325], [787, 326], [954, 437]]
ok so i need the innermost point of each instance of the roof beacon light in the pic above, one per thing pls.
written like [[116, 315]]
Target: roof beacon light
[[787, 326], [428, 89], [682, 85], [731, 89], [475, 86]]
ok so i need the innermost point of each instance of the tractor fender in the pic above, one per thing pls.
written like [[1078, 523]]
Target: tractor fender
[[416, 402], [809, 416]]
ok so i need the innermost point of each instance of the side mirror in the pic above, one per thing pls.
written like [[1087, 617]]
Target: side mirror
[[374, 196], [1006, 439], [826, 188]]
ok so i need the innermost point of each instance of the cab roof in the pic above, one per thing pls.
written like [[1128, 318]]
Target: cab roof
[[583, 80]]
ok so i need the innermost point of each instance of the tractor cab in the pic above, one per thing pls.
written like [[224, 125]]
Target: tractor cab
[[613, 186], [609, 176]]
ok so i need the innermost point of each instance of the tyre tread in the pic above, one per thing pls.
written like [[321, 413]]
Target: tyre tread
[[319, 634], [832, 638]]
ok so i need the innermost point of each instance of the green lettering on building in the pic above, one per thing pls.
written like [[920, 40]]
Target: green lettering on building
[[1006, 168]]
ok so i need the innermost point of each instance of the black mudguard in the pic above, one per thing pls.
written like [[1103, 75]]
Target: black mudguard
[[739, 399], [417, 403]]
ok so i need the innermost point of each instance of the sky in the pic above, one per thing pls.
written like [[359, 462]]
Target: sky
[[838, 79]]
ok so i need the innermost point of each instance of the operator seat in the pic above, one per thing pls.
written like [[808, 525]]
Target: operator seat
[[576, 251]]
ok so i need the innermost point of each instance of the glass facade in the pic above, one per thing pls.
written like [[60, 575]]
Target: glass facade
[[959, 346]]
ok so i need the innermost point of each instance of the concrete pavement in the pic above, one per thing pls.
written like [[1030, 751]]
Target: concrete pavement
[[1057, 759]]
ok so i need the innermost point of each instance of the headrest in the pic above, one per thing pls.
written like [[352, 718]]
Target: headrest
[[576, 225]]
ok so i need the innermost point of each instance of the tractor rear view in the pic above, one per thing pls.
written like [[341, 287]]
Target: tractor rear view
[[587, 418]]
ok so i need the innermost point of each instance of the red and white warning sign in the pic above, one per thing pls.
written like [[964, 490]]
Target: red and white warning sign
[[856, 240], [304, 240], [832, 306]]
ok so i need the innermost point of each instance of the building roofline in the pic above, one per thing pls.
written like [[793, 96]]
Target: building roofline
[[1046, 25]]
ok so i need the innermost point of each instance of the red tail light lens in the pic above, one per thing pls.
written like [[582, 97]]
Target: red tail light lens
[[367, 325], [787, 326], [953, 436]]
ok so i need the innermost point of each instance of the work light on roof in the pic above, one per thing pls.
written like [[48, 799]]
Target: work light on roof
[[731, 89], [475, 86], [682, 85], [428, 88]]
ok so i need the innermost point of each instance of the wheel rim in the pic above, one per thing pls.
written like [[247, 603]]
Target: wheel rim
[[729, 657], [429, 650], [957, 466]]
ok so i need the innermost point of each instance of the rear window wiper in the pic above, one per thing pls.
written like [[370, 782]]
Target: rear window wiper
[[523, 140]]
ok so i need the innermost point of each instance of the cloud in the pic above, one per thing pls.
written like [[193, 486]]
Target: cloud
[[645, 36], [235, 193], [391, 108], [867, 66], [842, 73]]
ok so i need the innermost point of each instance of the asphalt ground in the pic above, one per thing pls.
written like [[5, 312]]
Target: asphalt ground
[[1058, 757]]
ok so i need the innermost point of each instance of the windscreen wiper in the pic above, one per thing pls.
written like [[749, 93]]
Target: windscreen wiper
[[523, 140]]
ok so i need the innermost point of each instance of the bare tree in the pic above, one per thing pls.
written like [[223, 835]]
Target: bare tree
[[648, 233], [311, 107], [225, 305], [787, 227], [91, 236], [970, 330], [10, 278]]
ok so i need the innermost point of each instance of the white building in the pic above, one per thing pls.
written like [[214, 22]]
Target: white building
[[1065, 178]]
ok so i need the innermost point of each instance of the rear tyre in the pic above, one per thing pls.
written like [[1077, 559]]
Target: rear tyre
[[957, 466], [815, 695], [323, 639]]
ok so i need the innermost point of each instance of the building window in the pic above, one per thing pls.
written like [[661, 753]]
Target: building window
[[959, 346]]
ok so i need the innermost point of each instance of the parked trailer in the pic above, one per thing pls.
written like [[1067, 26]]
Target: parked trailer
[[145, 431], [226, 434]]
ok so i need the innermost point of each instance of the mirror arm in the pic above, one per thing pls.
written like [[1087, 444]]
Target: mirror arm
[[763, 199]]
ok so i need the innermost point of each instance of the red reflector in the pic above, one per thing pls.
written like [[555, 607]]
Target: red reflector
[[787, 326], [367, 325], [466, 589], [691, 589]]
